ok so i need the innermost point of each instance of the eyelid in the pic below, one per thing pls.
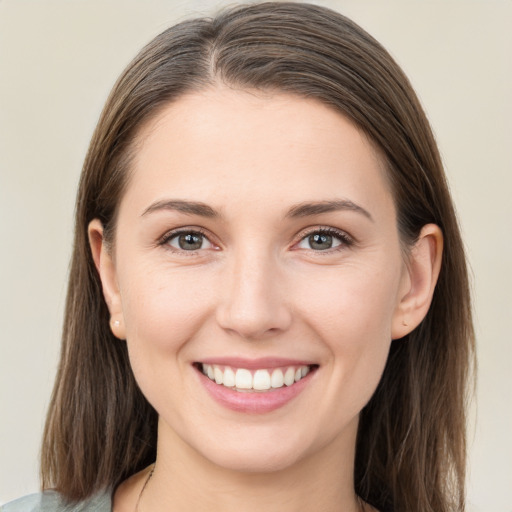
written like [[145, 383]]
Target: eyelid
[[345, 239], [168, 235]]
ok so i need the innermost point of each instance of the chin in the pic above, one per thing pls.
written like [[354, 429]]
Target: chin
[[254, 460], [258, 450]]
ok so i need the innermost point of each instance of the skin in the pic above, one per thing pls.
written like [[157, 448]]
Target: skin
[[257, 288]]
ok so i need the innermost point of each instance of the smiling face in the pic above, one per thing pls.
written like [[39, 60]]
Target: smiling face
[[257, 243]]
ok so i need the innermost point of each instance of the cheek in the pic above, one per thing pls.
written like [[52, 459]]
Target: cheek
[[162, 310], [352, 306], [352, 310]]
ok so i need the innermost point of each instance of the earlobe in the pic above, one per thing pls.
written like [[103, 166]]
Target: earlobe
[[422, 271], [105, 266]]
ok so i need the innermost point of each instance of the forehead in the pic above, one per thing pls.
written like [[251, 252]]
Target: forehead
[[223, 146]]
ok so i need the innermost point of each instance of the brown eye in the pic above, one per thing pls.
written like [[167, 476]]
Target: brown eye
[[189, 241]]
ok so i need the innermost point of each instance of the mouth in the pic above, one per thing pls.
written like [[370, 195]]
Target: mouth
[[255, 386], [255, 380]]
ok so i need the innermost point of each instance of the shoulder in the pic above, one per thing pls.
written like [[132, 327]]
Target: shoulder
[[50, 501]]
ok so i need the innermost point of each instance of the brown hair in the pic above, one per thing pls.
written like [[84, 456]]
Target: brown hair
[[411, 451]]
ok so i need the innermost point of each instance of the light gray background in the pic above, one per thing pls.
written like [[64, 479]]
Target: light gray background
[[58, 60]]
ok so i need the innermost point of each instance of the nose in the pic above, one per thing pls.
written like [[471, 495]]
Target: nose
[[253, 301]]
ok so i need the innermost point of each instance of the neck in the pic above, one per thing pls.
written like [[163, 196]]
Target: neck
[[183, 480]]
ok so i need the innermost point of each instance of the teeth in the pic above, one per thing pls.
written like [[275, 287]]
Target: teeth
[[259, 380], [289, 376], [219, 376], [277, 380], [229, 378], [243, 379]]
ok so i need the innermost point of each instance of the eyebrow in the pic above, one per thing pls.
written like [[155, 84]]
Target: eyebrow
[[188, 207], [316, 208], [307, 209]]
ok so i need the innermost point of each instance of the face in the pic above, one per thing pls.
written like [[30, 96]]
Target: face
[[256, 242]]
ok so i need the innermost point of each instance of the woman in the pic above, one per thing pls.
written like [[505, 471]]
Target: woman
[[268, 304]]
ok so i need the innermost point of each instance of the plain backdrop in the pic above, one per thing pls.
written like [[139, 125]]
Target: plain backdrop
[[58, 61]]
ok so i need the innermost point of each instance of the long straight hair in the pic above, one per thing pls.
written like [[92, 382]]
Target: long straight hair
[[411, 445]]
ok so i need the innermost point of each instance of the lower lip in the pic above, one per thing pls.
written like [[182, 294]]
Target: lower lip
[[257, 402]]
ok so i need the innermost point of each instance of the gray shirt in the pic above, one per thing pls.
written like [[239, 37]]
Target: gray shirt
[[50, 501]]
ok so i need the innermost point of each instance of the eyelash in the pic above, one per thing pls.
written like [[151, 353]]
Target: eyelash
[[345, 240], [164, 240]]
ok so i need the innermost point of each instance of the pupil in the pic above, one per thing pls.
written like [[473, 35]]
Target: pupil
[[320, 241], [190, 241]]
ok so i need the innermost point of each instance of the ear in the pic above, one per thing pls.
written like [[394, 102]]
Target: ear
[[419, 281], [103, 260]]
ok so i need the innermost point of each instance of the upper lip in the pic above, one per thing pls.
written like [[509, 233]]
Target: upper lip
[[252, 364]]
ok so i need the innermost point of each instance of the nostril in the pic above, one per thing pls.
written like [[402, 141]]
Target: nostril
[[254, 323]]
